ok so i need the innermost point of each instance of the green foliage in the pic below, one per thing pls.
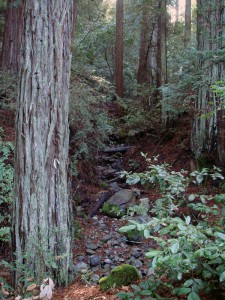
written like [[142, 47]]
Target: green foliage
[[112, 210], [89, 126], [8, 90], [189, 253], [6, 187]]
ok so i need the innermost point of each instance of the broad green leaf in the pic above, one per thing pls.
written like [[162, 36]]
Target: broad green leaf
[[193, 296], [222, 276], [199, 178], [175, 247], [152, 253], [136, 287], [188, 282], [188, 220], [146, 293], [127, 228], [123, 295], [184, 290], [154, 262], [147, 234], [220, 235], [132, 181], [181, 227], [191, 197]]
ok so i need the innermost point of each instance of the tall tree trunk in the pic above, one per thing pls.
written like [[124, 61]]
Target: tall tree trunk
[[187, 29], [162, 42], [12, 36], [152, 56], [210, 42], [42, 225], [177, 7], [119, 49], [143, 68]]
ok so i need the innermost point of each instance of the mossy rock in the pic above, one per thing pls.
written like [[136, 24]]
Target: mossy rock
[[121, 275], [135, 235], [112, 210]]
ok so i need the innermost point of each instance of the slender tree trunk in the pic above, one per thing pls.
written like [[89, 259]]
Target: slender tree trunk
[[119, 49], [208, 132], [143, 68], [12, 36], [187, 29], [177, 7], [152, 56], [42, 225], [162, 42]]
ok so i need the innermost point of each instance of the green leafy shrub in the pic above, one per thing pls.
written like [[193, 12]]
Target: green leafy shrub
[[190, 253], [89, 127], [6, 187]]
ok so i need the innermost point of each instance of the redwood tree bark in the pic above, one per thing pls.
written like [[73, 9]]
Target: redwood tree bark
[[152, 56], [187, 29], [42, 225], [12, 36], [208, 132], [119, 49]]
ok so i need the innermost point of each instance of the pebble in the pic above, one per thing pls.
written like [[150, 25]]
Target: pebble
[[94, 260], [92, 246], [108, 261], [90, 252], [106, 238]]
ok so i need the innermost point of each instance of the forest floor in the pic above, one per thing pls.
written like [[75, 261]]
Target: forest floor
[[173, 148]]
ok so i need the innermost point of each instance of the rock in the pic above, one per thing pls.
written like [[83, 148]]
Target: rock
[[95, 278], [92, 246], [120, 276], [94, 260], [137, 263], [124, 197], [102, 227], [80, 268], [80, 257], [136, 252], [106, 238], [90, 252], [108, 261], [115, 187]]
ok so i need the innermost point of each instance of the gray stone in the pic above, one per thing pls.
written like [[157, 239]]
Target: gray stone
[[90, 252], [94, 260], [92, 246], [136, 252], [108, 261], [121, 260], [102, 227], [95, 278], [115, 187], [80, 268], [137, 263], [106, 238], [124, 198], [80, 257]]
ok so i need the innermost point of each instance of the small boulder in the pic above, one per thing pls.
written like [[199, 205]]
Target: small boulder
[[121, 275]]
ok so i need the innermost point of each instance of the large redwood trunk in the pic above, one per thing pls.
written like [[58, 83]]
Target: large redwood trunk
[[208, 128], [42, 225], [119, 49], [12, 36]]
